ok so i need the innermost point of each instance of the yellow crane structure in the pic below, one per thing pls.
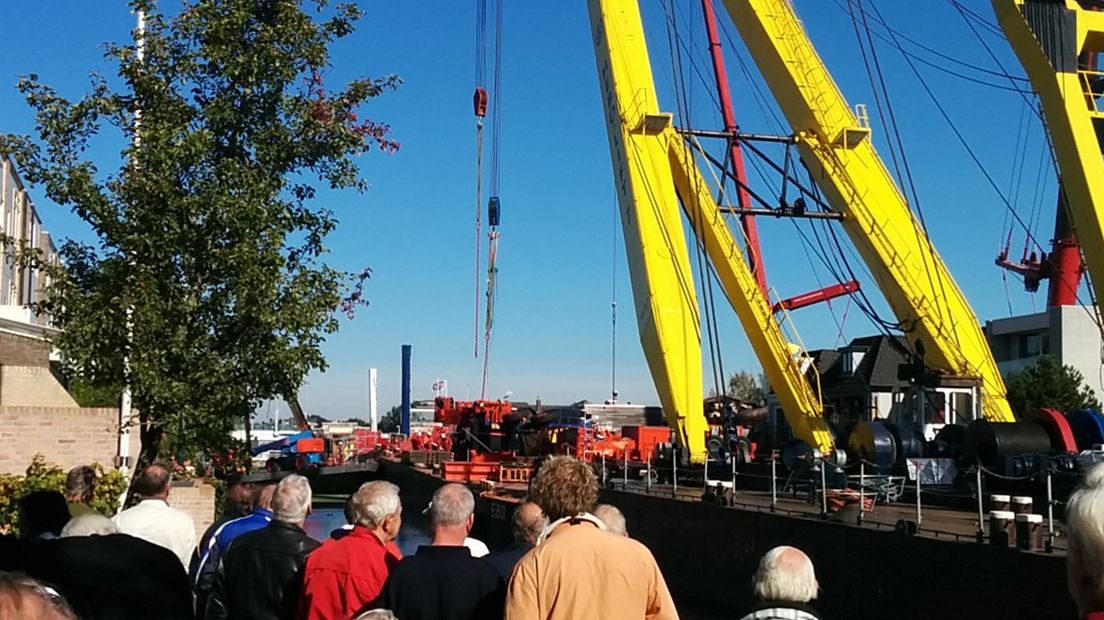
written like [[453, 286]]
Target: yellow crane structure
[[654, 172], [836, 147], [1056, 43]]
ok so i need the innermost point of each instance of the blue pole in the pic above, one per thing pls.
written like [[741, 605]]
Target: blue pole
[[404, 425]]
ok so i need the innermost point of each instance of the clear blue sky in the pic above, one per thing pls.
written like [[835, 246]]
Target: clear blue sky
[[557, 262]]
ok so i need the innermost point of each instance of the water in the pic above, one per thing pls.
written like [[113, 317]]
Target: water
[[326, 519]]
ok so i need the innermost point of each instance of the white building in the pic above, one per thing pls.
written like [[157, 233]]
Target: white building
[[1070, 334]]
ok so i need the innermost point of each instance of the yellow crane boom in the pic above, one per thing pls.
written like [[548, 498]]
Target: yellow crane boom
[[1049, 38], [838, 152], [652, 171]]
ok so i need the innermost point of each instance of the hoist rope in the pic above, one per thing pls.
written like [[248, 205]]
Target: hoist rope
[[493, 186], [480, 81]]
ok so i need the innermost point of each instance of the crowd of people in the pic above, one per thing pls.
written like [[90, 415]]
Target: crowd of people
[[570, 558]]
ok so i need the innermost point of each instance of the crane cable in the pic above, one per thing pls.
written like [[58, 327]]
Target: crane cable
[[493, 203], [479, 102]]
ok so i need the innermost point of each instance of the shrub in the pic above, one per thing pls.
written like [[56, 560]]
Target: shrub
[[43, 476]]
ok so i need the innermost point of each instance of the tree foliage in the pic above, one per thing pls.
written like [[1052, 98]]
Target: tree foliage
[[390, 421], [207, 291], [43, 476], [1049, 383], [746, 387]]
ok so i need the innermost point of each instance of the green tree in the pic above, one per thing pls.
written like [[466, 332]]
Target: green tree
[[206, 290], [390, 421], [744, 386], [1049, 383]]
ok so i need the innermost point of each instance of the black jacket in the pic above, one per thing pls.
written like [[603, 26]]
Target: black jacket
[[261, 574], [444, 583], [504, 560], [114, 577], [780, 610]]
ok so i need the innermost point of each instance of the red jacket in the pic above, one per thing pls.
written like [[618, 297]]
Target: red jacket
[[343, 576]]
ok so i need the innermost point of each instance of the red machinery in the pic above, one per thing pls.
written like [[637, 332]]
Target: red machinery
[[480, 424]]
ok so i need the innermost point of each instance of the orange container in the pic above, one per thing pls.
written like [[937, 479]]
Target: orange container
[[646, 438], [310, 446], [482, 471], [456, 471]]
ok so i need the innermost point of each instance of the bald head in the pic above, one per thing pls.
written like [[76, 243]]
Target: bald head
[[612, 517], [452, 504], [785, 574], [528, 523], [153, 482]]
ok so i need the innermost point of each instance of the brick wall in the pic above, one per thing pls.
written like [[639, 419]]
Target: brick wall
[[22, 351], [197, 498], [66, 436], [35, 386]]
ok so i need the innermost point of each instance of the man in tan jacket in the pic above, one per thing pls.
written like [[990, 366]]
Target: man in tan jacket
[[578, 569]]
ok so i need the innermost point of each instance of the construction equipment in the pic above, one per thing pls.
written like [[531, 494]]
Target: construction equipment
[[835, 146], [481, 425], [654, 171], [1059, 44]]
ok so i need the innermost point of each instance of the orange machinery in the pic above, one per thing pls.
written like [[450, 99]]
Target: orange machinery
[[480, 424]]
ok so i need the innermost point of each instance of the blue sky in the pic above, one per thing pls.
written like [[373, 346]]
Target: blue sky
[[561, 257]]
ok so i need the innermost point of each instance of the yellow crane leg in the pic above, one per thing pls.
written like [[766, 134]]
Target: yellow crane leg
[[1070, 105], [801, 405], [836, 148], [659, 262]]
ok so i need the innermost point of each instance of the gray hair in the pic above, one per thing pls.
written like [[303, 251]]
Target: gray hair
[[90, 524], [375, 501], [292, 499], [80, 483], [785, 574], [612, 517], [452, 504], [1085, 529]]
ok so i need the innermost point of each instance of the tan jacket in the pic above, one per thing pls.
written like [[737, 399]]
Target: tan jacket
[[579, 571]]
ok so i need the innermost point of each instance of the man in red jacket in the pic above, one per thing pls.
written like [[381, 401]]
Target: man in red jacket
[[343, 576]]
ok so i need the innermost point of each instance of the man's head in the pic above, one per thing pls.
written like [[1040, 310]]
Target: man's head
[[377, 507], [529, 521], [612, 517], [154, 482], [239, 499], [451, 514], [79, 484], [263, 496], [42, 512], [1085, 532], [90, 524], [564, 487], [291, 502], [23, 597], [785, 574]]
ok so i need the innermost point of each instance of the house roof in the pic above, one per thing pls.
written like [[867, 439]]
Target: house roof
[[878, 368]]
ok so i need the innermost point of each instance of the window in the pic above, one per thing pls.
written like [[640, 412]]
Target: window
[[851, 360]]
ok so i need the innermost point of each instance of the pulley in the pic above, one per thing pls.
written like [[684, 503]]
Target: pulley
[[493, 211], [479, 101]]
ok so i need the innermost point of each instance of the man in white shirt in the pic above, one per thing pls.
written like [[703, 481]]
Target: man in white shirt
[[153, 520]]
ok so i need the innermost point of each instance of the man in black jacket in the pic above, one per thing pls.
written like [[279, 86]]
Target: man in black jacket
[[443, 581], [260, 575]]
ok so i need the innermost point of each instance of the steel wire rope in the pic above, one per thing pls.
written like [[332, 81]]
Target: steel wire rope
[[931, 258], [683, 110], [480, 80]]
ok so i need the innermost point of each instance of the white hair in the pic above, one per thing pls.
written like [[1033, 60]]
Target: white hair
[[785, 574], [89, 525], [452, 505], [612, 517], [375, 501], [1085, 528], [377, 614], [292, 500]]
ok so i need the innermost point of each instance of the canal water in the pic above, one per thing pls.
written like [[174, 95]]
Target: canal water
[[327, 518]]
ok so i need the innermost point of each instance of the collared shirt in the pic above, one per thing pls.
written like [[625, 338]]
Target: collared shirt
[[580, 571], [157, 522], [344, 576]]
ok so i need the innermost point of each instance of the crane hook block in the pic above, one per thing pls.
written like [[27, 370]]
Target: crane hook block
[[492, 211], [479, 100]]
